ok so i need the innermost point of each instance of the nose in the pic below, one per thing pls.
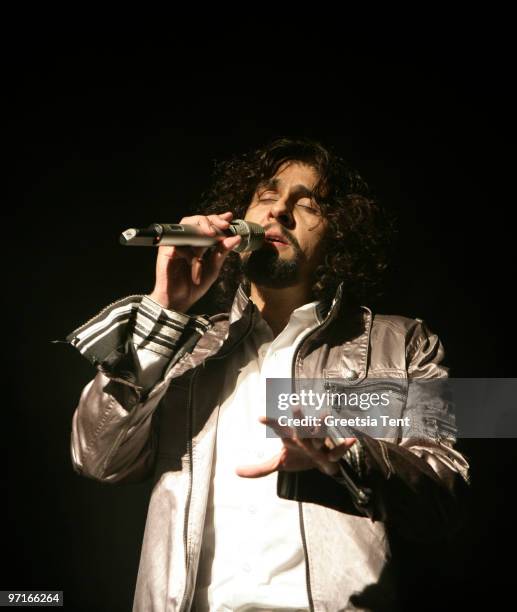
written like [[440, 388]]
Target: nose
[[281, 213]]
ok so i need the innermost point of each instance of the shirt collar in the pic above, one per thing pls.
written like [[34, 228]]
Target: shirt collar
[[317, 310]]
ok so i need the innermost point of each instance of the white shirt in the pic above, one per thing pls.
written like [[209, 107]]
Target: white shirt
[[252, 553]]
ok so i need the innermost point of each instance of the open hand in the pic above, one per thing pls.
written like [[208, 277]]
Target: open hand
[[298, 453]]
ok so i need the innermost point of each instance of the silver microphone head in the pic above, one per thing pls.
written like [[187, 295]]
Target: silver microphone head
[[252, 235]]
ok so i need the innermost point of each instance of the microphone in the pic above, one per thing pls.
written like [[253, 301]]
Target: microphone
[[167, 234]]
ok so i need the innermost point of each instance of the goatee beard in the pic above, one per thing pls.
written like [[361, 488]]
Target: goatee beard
[[266, 269]]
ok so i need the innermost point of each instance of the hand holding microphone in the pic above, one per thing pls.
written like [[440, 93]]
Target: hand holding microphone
[[183, 276]]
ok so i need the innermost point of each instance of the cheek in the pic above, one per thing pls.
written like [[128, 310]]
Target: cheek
[[251, 213], [316, 244], [249, 216]]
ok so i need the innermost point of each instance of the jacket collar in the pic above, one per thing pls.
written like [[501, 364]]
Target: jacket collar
[[242, 303], [327, 310], [349, 326]]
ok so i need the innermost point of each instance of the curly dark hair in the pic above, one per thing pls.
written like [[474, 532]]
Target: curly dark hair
[[360, 231]]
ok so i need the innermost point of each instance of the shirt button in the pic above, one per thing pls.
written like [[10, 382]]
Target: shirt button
[[246, 567]]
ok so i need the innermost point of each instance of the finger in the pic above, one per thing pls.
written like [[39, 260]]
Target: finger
[[335, 453], [212, 264], [206, 226], [219, 222], [224, 247], [229, 243], [332, 442], [260, 469], [198, 264], [193, 219], [197, 270], [305, 432], [290, 439], [176, 252], [227, 215], [317, 443], [323, 451], [319, 457], [301, 438], [323, 458], [201, 268]]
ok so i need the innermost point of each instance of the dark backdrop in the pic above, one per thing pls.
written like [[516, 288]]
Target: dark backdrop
[[104, 143]]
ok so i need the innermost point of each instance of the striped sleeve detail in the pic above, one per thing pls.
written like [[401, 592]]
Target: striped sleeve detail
[[160, 330], [103, 339], [107, 330]]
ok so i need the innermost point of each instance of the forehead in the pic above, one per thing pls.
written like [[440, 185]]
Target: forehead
[[291, 174]]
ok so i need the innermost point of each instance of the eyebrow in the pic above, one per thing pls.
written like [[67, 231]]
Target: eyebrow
[[298, 190]]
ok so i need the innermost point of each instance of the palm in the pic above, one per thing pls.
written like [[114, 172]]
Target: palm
[[298, 453]]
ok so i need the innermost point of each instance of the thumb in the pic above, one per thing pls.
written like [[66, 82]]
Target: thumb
[[259, 470]]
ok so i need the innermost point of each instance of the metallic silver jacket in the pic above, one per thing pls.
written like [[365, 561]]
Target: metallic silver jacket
[[121, 433]]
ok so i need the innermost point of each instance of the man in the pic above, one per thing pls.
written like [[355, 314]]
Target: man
[[239, 521]]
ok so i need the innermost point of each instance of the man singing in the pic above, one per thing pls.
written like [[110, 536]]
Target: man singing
[[238, 521]]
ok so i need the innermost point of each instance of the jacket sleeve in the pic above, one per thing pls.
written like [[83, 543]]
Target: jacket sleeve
[[419, 484], [133, 343], [415, 485]]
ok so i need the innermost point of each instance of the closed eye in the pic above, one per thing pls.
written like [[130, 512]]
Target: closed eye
[[309, 208], [268, 196]]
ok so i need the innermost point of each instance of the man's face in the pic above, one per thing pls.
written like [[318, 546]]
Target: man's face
[[285, 206]]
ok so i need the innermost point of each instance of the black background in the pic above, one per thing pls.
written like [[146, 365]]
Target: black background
[[102, 143]]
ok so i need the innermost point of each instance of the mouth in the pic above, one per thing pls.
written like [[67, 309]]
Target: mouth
[[276, 239]]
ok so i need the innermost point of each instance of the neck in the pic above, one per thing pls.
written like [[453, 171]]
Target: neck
[[276, 305]]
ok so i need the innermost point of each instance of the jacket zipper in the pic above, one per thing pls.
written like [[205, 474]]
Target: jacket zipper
[[306, 555], [395, 387], [358, 493], [186, 594], [189, 494], [300, 506]]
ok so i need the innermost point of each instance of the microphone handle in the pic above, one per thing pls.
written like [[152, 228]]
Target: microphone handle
[[170, 234]]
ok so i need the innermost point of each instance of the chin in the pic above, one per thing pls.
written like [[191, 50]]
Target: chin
[[268, 269]]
